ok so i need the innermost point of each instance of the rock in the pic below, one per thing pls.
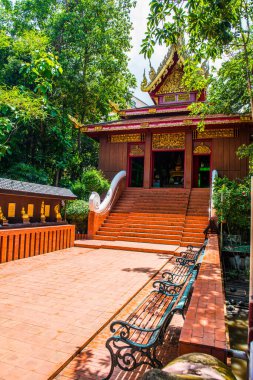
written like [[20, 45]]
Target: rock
[[198, 366]]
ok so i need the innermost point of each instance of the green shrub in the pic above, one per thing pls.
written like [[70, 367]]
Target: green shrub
[[91, 180], [77, 213], [234, 209], [78, 189]]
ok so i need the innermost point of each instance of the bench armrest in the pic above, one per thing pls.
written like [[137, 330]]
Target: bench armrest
[[185, 261], [169, 288], [174, 278]]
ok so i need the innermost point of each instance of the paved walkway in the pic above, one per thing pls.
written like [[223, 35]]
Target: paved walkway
[[52, 305], [94, 362]]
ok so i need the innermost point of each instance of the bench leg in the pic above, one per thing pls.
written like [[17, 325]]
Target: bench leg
[[128, 357]]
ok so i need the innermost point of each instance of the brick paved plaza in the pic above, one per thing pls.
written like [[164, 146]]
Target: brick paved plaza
[[52, 305]]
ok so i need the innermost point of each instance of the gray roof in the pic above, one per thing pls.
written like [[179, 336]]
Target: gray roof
[[25, 188]]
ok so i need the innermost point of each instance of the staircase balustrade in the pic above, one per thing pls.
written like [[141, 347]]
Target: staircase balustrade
[[98, 210], [211, 209]]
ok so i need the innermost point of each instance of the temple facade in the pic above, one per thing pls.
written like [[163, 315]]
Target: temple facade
[[159, 146]]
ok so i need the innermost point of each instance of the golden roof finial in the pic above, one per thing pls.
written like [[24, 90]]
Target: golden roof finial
[[77, 124], [144, 82], [114, 107], [152, 73]]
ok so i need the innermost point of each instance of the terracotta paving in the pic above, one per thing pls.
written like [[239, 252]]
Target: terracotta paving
[[93, 363], [52, 305]]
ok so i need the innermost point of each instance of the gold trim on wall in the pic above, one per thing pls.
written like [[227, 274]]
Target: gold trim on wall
[[133, 137], [214, 133], [168, 141]]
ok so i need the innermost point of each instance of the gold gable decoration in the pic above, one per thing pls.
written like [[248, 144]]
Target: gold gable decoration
[[173, 83], [168, 141], [158, 76], [202, 149]]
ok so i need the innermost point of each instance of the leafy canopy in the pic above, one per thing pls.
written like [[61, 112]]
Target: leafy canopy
[[59, 58]]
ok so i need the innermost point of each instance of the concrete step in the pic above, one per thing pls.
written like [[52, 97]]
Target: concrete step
[[153, 235], [104, 237], [150, 228], [152, 241]]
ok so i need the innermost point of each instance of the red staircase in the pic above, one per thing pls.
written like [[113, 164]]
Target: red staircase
[[159, 216], [196, 217]]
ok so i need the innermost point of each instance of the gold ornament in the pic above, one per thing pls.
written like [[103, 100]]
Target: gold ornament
[[57, 213], [135, 137], [202, 149], [136, 150], [216, 133], [25, 216], [168, 141], [152, 73], [173, 83], [144, 81], [2, 218], [42, 212]]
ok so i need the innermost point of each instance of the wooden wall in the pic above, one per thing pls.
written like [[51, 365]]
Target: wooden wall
[[23, 201], [112, 157], [224, 158]]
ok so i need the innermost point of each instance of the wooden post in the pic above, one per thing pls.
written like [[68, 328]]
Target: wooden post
[[188, 160], [147, 161], [250, 334]]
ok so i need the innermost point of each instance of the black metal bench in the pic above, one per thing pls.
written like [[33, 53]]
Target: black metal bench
[[134, 341]]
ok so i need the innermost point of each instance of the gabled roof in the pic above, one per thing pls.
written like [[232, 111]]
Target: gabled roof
[[11, 186], [173, 56]]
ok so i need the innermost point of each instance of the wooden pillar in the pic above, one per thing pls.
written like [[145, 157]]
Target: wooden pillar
[[188, 160], [147, 161]]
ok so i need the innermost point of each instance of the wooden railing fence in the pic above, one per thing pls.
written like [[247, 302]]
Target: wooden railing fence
[[26, 242]]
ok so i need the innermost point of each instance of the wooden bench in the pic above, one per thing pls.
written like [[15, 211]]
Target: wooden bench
[[134, 341]]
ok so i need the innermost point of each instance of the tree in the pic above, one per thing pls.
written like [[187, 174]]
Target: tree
[[211, 29], [72, 55]]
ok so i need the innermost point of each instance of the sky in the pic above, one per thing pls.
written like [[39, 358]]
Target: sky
[[137, 63]]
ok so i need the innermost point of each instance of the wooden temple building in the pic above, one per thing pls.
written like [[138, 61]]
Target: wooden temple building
[[161, 150], [152, 143]]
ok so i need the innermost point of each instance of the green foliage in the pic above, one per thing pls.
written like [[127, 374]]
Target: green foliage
[[59, 59], [77, 213], [209, 29], [246, 151], [28, 173], [232, 203], [91, 180]]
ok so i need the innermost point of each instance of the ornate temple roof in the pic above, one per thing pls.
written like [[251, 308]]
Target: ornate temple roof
[[156, 77], [164, 122]]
